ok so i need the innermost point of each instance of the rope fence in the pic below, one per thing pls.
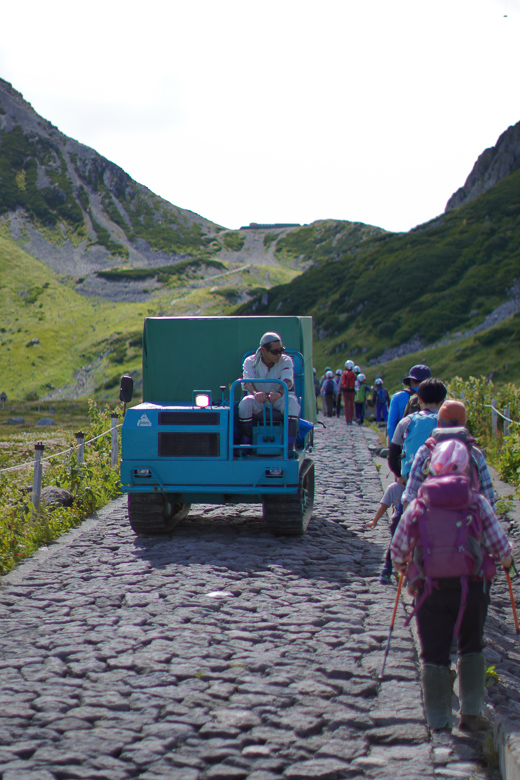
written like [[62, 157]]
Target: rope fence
[[39, 460], [495, 413]]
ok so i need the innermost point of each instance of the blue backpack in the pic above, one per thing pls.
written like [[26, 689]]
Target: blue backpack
[[421, 425]]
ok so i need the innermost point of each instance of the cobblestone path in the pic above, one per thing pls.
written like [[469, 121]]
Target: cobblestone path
[[220, 652]]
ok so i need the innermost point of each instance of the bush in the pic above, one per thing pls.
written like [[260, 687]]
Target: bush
[[92, 484]]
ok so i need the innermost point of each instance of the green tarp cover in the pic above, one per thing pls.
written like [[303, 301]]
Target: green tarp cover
[[182, 354]]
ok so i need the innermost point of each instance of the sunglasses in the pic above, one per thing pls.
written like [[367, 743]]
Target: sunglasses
[[276, 351]]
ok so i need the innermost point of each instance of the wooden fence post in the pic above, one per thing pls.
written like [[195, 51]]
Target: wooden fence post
[[80, 441], [37, 475], [494, 421], [507, 424], [113, 420]]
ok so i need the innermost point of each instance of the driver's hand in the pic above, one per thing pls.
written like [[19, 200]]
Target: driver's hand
[[260, 398], [274, 396]]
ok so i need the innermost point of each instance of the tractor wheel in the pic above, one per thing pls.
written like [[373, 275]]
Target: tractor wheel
[[151, 513], [290, 515]]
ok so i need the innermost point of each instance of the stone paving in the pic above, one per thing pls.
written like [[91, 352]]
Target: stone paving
[[219, 653]]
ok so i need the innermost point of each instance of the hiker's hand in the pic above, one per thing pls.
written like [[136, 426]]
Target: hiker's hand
[[507, 563], [260, 398], [401, 567], [371, 523]]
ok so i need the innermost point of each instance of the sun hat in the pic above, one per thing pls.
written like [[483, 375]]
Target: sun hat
[[417, 374], [451, 414], [449, 457]]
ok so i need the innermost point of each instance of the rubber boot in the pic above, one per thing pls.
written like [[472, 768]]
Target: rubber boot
[[245, 432], [472, 676], [437, 686], [293, 430]]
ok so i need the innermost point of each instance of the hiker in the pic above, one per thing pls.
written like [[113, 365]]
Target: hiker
[[381, 401], [446, 542], [413, 430], [328, 394], [362, 391], [337, 380], [410, 434], [391, 497], [316, 387], [268, 362], [348, 389], [399, 400], [451, 417]]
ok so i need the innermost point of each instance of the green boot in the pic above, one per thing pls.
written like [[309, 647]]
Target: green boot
[[472, 676], [437, 686]]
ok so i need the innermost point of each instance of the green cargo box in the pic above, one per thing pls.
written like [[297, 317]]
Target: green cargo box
[[182, 354]]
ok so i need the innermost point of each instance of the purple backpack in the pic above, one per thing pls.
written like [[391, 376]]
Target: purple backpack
[[448, 534]]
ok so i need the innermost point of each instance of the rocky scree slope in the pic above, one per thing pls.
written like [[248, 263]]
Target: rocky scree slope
[[78, 212]]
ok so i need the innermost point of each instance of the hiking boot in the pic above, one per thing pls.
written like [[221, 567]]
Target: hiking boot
[[437, 691], [472, 675], [385, 579], [473, 723]]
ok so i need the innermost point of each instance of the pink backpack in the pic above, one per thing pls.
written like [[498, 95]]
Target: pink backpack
[[448, 534]]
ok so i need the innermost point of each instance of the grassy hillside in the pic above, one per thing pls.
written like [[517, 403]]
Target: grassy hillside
[[442, 278], [57, 343]]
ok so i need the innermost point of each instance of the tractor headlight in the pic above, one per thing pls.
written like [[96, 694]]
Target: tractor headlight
[[202, 398]]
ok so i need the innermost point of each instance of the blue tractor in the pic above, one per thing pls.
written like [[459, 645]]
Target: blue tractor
[[181, 445]]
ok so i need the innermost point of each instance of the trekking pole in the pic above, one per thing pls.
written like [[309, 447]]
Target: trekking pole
[[515, 616], [387, 648]]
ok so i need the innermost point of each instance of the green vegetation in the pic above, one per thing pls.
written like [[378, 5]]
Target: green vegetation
[[502, 448], [103, 238], [164, 273], [92, 484], [441, 277], [23, 160], [234, 241], [269, 238]]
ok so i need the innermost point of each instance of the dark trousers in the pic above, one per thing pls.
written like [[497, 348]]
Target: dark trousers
[[348, 400], [328, 405], [381, 412], [360, 412], [438, 614], [394, 522], [338, 404]]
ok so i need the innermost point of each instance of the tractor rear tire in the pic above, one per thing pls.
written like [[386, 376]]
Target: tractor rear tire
[[151, 514], [290, 515]]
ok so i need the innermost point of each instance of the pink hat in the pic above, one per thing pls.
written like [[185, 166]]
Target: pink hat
[[449, 457]]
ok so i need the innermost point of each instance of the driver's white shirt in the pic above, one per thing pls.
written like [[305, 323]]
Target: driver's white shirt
[[284, 369]]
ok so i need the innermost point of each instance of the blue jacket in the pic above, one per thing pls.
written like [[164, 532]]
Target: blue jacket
[[397, 406]]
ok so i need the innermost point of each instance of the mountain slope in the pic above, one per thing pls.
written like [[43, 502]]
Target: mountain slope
[[77, 211], [492, 166], [403, 292]]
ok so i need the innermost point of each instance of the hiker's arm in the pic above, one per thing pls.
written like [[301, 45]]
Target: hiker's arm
[[494, 539], [378, 515]]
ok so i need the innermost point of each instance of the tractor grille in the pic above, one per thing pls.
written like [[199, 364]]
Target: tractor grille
[[189, 445], [189, 418]]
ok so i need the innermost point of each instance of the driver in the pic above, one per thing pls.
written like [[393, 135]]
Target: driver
[[268, 362]]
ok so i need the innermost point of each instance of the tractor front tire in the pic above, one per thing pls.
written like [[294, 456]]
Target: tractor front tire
[[151, 514], [290, 515]]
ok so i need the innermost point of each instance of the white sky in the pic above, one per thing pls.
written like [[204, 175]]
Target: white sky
[[280, 110]]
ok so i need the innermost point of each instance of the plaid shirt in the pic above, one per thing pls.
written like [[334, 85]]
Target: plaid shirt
[[493, 537], [418, 475]]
